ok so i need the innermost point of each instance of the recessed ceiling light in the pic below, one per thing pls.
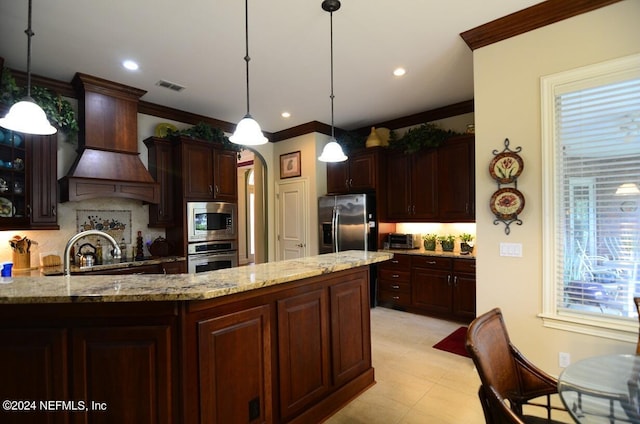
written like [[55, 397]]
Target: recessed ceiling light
[[130, 65], [399, 72], [286, 115]]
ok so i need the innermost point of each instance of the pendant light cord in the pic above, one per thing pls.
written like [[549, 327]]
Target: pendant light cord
[[331, 50], [246, 37], [30, 34]]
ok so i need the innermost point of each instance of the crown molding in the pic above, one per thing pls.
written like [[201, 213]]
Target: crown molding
[[528, 19]]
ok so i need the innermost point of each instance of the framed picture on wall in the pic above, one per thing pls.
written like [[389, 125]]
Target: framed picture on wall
[[290, 165]]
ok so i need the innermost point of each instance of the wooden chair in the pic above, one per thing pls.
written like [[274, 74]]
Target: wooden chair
[[503, 369], [499, 411]]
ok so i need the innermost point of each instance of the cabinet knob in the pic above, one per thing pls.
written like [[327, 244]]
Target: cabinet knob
[[455, 281], [430, 262], [395, 287], [449, 280], [395, 276], [396, 297], [210, 189], [53, 211], [28, 211], [395, 261], [350, 182]]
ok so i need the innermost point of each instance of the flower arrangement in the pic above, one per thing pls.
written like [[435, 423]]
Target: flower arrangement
[[429, 241]]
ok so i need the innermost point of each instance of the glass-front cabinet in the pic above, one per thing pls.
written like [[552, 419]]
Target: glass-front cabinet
[[28, 181]]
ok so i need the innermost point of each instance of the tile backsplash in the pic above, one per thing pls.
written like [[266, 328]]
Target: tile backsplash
[[54, 241]]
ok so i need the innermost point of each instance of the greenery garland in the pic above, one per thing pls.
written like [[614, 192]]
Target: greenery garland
[[422, 137], [58, 110], [203, 131]]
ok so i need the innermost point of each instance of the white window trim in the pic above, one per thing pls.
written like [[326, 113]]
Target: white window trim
[[552, 85]]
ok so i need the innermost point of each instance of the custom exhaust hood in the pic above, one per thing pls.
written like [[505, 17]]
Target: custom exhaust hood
[[108, 162]]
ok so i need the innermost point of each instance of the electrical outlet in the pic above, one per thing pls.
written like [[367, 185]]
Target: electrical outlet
[[511, 249], [564, 359]]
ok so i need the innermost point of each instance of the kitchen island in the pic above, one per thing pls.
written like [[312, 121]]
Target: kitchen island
[[278, 342]]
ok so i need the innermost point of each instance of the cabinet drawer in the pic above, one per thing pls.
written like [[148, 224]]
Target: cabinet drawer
[[394, 286], [394, 275], [432, 262], [465, 265], [394, 297], [397, 262]]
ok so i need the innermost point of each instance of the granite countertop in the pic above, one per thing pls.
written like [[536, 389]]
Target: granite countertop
[[172, 287], [421, 251]]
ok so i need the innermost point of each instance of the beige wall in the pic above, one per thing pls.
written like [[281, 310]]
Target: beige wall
[[507, 105]]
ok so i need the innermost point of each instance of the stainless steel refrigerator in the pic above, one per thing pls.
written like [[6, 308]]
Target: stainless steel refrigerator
[[347, 222]]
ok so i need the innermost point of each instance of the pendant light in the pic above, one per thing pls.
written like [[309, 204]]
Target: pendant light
[[248, 131], [332, 151], [26, 116]]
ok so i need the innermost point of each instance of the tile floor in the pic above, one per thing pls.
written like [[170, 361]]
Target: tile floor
[[416, 384]]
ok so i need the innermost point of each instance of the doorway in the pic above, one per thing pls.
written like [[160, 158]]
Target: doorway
[[252, 208], [293, 226]]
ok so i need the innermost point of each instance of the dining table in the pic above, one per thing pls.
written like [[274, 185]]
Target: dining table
[[602, 389]]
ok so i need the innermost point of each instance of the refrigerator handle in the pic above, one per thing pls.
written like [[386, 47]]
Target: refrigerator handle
[[334, 228]]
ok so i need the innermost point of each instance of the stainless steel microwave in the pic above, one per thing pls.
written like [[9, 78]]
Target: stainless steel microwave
[[208, 221]]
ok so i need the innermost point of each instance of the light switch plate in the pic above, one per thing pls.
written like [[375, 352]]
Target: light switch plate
[[511, 249]]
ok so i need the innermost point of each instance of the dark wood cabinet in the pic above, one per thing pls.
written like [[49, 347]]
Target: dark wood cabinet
[[456, 180], [464, 289], [441, 286], [431, 283], [358, 174], [235, 357], [107, 362], [209, 172], [161, 168], [28, 185], [411, 192], [433, 185], [128, 369], [35, 361], [303, 343], [350, 329], [394, 282]]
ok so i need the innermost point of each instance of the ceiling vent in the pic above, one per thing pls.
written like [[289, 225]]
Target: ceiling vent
[[170, 85]]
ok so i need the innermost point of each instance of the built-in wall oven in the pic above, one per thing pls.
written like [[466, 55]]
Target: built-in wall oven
[[212, 255], [212, 236]]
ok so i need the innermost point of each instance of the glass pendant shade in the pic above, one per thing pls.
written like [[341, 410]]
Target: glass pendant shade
[[248, 133], [332, 152], [27, 117]]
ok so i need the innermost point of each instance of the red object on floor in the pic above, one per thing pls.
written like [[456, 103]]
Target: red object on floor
[[454, 342]]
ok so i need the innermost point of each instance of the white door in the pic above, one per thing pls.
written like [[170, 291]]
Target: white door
[[293, 219]]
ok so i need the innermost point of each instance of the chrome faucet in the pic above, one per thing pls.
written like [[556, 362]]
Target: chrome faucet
[[76, 237]]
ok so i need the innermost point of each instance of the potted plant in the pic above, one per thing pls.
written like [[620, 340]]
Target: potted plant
[[447, 242], [421, 137], [466, 245], [429, 241]]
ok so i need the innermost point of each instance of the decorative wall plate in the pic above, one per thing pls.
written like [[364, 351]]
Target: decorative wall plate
[[506, 167], [507, 203]]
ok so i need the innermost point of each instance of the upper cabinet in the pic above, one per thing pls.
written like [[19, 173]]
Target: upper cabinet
[[28, 181], [411, 194], [456, 180], [436, 185], [360, 173], [209, 172], [189, 170]]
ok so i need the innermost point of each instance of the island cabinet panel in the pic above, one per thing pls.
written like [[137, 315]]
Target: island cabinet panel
[[350, 330], [235, 367], [34, 368], [464, 286], [303, 344], [128, 369]]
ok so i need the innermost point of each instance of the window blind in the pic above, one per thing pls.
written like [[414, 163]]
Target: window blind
[[597, 186]]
